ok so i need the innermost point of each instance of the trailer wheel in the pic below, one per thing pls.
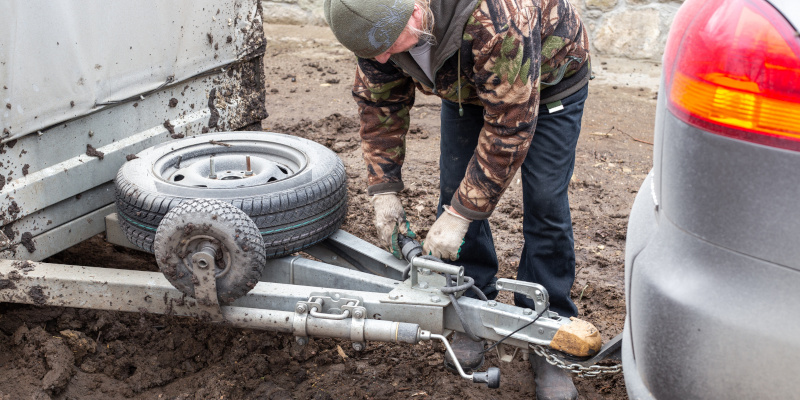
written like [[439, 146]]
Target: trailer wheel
[[294, 189], [202, 225]]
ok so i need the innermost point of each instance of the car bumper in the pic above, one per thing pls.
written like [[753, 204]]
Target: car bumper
[[633, 381], [704, 321]]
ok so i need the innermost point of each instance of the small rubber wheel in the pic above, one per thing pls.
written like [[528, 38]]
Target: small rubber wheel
[[198, 223]]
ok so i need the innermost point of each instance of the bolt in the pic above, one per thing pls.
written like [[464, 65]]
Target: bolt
[[423, 285], [211, 173], [301, 340], [249, 171], [202, 263], [358, 314], [492, 303], [527, 311], [435, 299], [301, 308], [392, 296], [541, 331], [336, 296], [358, 346]]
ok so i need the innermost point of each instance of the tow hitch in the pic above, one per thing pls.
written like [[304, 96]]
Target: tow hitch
[[356, 292]]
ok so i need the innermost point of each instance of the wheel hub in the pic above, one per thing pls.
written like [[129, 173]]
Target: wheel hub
[[228, 170]]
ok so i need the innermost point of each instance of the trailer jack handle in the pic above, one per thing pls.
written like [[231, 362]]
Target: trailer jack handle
[[491, 377]]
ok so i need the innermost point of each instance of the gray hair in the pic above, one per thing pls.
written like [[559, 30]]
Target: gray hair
[[425, 33]]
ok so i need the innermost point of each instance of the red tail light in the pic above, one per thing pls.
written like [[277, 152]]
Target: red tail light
[[732, 67]]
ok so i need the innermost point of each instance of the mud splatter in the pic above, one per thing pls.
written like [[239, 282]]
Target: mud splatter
[[24, 266], [25, 169], [213, 120], [130, 157], [9, 232], [2, 181], [170, 127], [36, 294], [92, 152], [173, 102], [13, 209], [171, 130], [27, 241]]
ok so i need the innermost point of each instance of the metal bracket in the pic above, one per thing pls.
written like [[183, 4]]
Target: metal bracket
[[332, 305], [504, 354], [357, 325], [533, 291], [425, 292], [422, 286], [418, 263], [205, 283], [299, 322]]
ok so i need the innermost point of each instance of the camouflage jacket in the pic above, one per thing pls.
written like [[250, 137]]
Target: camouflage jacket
[[512, 54]]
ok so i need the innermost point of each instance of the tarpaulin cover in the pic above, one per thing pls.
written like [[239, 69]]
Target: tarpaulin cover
[[63, 59]]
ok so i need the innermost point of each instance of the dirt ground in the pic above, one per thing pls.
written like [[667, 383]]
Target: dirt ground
[[83, 354]]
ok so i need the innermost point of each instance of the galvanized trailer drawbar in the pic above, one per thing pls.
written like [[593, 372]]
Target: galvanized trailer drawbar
[[125, 140], [308, 298]]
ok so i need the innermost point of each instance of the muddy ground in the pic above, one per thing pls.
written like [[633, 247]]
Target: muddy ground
[[82, 354]]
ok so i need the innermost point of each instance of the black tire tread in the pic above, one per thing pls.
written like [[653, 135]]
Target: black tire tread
[[251, 262], [321, 201]]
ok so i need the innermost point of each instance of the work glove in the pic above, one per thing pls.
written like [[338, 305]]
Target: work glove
[[446, 236], [390, 221]]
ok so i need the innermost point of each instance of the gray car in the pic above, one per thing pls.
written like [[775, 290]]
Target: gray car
[[712, 264]]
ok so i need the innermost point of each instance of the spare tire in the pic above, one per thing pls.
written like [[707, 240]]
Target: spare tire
[[294, 189]]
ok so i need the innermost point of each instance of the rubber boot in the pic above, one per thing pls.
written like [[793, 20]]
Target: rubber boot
[[552, 383], [468, 352]]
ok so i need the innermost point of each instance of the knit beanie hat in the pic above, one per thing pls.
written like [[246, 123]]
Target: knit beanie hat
[[368, 27]]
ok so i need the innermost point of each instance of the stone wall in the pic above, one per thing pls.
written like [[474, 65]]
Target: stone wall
[[634, 29], [628, 28]]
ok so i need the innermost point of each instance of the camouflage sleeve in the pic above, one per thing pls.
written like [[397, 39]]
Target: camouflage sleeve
[[565, 48], [385, 96], [505, 42]]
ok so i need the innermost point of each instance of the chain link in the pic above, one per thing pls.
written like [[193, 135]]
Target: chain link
[[583, 372]]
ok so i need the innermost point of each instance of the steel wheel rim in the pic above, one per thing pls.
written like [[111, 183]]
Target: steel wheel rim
[[225, 166]]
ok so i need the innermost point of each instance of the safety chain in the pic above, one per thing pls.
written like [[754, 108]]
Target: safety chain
[[583, 372]]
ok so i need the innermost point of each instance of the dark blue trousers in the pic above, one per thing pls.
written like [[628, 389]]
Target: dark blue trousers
[[548, 255]]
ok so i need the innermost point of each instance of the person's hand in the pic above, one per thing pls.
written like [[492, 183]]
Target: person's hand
[[446, 236], [390, 220]]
